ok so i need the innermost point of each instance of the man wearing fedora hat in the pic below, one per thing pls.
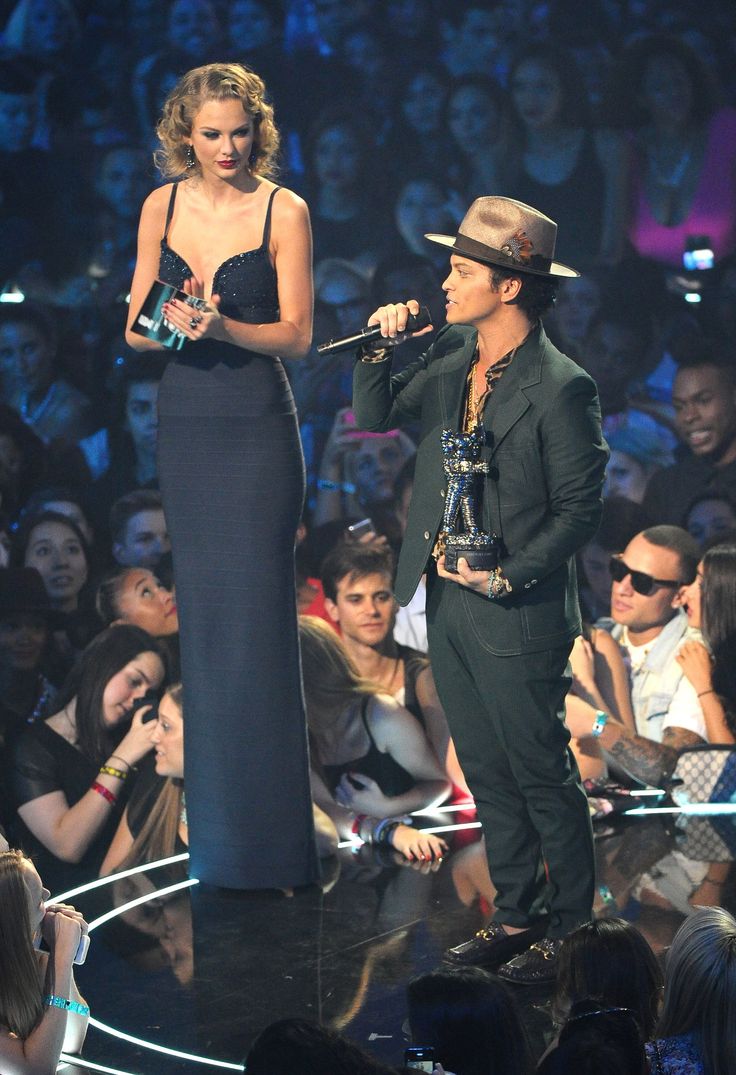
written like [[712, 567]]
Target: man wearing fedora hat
[[499, 640]]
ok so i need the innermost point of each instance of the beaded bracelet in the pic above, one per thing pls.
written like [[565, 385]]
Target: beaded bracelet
[[104, 792], [108, 770], [52, 1001]]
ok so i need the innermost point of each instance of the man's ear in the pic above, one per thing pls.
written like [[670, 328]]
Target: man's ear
[[680, 598], [332, 610]]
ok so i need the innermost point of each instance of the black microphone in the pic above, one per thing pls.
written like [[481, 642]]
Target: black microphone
[[368, 333]]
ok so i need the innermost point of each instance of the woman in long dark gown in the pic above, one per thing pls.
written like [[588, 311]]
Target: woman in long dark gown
[[231, 471]]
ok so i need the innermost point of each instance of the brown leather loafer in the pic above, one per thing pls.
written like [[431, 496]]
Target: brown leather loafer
[[535, 966], [493, 945]]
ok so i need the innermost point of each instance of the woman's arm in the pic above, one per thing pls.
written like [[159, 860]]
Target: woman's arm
[[613, 678], [697, 665], [437, 730], [67, 831], [120, 845], [39, 1053], [291, 335], [150, 231]]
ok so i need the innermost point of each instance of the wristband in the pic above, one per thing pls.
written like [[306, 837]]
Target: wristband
[[104, 792], [601, 720], [709, 691], [335, 487], [52, 1001], [123, 760], [109, 770]]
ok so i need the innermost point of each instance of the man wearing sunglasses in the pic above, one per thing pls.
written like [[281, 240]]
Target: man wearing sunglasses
[[649, 624]]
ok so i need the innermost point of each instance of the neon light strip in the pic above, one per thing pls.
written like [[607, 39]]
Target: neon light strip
[[696, 809], [163, 1048], [102, 881], [81, 1063], [453, 828]]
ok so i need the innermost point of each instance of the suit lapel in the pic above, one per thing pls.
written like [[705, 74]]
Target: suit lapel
[[509, 402], [452, 383]]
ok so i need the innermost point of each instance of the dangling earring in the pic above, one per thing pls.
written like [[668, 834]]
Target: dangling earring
[[190, 156]]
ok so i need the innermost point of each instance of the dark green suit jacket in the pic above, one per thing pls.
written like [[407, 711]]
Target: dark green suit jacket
[[543, 493]]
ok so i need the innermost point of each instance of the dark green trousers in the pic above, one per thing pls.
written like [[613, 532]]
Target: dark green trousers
[[506, 717]]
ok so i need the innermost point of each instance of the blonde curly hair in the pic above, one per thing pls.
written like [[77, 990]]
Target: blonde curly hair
[[215, 82]]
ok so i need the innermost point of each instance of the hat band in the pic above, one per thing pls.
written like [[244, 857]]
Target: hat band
[[483, 252]]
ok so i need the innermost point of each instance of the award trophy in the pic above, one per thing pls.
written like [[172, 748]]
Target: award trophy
[[151, 322], [463, 466]]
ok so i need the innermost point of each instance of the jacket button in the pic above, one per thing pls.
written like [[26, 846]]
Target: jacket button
[[534, 582], [527, 585], [427, 535]]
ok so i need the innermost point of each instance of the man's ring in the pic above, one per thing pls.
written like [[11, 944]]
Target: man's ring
[[194, 321]]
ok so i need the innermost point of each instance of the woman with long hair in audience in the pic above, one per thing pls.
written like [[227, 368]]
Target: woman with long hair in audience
[[710, 603], [135, 595], [41, 1010], [73, 771], [154, 823], [696, 1033], [371, 762]]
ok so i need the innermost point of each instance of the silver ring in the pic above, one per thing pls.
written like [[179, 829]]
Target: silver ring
[[194, 321]]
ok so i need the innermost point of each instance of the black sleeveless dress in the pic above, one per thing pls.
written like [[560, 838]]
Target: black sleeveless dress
[[232, 479]]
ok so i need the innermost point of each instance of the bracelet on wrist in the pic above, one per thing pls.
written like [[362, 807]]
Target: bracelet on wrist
[[709, 691], [52, 1001], [124, 761], [601, 720], [104, 792], [335, 487], [372, 356], [110, 770]]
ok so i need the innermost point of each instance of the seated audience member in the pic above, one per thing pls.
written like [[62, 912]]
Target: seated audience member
[[704, 399], [357, 581], [578, 301], [71, 771], [371, 762], [648, 622], [610, 960], [696, 1032], [357, 474], [154, 823], [41, 1009], [135, 595], [24, 461], [121, 456], [53, 408], [597, 1040], [636, 455], [138, 529], [55, 546], [710, 516], [27, 670], [621, 520], [710, 604], [296, 1045], [471, 1021]]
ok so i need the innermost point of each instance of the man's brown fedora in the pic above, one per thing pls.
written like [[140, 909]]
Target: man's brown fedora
[[509, 234]]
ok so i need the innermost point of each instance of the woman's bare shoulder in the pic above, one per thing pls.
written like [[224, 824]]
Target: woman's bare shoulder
[[288, 206]]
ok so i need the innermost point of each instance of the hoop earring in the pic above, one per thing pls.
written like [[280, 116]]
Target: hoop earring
[[191, 159]]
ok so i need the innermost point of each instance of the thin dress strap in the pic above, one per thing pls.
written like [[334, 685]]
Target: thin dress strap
[[170, 211], [267, 222], [364, 714]]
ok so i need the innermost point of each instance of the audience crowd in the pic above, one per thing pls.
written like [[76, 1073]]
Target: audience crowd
[[619, 121]]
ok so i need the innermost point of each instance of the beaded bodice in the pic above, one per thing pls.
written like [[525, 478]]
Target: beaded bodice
[[246, 283]]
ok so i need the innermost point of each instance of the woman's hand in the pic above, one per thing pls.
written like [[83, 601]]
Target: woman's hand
[[341, 440], [579, 717], [62, 928], [193, 322], [366, 799], [583, 668], [137, 740], [697, 664], [418, 846]]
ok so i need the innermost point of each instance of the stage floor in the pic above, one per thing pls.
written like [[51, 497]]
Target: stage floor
[[181, 977]]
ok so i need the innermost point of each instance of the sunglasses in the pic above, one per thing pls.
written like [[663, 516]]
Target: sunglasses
[[641, 582]]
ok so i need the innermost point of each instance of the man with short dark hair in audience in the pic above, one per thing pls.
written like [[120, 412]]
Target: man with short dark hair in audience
[[704, 398], [650, 625], [358, 585], [138, 529]]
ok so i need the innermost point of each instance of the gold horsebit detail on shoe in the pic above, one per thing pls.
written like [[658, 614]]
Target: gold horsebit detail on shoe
[[545, 952]]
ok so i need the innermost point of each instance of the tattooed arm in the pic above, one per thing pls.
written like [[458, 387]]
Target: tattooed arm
[[640, 758]]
